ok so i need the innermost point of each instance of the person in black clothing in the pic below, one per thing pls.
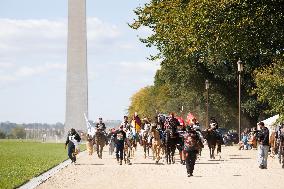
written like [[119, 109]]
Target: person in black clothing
[[125, 123], [120, 137], [101, 125], [263, 148], [72, 139], [190, 149], [213, 124], [173, 123]]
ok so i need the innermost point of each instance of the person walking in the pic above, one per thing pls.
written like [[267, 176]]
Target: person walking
[[190, 149], [120, 137], [72, 140], [263, 139]]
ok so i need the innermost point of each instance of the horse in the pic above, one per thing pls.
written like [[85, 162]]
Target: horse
[[212, 141], [90, 144], [145, 142], [156, 144], [111, 144], [170, 145], [100, 140], [129, 146]]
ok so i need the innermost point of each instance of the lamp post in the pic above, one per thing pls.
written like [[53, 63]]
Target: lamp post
[[240, 69], [207, 100]]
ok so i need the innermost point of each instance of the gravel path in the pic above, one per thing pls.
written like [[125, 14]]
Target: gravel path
[[236, 169]]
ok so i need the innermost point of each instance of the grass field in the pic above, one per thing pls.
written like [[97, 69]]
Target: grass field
[[21, 161]]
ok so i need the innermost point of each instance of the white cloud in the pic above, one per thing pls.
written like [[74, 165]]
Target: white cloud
[[98, 30], [13, 75], [48, 36]]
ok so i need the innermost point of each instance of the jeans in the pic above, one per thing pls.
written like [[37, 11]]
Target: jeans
[[119, 152], [262, 155], [71, 150], [190, 161]]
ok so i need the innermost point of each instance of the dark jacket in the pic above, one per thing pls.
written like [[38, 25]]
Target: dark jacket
[[120, 137], [263, 136], [71, 137]]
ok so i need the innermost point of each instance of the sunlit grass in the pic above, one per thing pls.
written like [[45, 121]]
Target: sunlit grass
[[20, 161]]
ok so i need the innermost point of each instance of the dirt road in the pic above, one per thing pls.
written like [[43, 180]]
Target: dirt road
[[236, 169]]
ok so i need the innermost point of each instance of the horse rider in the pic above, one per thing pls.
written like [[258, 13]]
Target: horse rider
[[190, 149], [160, 121], [72, 141], [120, 137], [213, 126], [196, 126], [101, 127], [173, 123], [125, 123]]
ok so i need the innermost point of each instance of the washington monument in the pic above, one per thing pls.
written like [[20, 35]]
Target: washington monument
[[77, 73]]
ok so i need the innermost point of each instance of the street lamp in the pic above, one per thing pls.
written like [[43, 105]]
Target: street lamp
[[240, 69], [207, 100]]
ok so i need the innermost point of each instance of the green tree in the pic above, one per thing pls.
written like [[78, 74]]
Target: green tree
[[200, 40], [2, 134], [18, 132], [270, 86]]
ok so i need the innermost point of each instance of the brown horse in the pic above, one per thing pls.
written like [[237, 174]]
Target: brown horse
[[100, 140], [212, 141], [145, 142], [156, 144], [170, 145], [129, 146]]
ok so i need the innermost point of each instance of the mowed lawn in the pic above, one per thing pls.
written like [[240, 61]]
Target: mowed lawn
[[21, 161]]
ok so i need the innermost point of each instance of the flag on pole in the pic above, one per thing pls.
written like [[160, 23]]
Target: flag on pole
[[90, 130]]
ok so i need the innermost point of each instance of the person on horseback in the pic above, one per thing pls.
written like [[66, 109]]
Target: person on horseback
[[190, 149], [196, 127], [101, 127], [125, 123], [213, 126], [160, 120], [72, 140], [120, 137], [173, 123]]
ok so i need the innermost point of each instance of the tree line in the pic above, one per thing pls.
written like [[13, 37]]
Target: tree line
[[200, 40]]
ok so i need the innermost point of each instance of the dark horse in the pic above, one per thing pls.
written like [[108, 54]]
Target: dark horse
[[170, 141], [212, 140]]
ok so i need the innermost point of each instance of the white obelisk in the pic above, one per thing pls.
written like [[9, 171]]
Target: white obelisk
[[77, 73]]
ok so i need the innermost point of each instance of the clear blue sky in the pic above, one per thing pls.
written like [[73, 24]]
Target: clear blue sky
[[33, 59]]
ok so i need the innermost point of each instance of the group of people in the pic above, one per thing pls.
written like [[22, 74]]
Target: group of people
[[166, 133]]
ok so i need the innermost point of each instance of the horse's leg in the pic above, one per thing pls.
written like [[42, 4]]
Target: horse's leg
[[213, 151], [144, 149], [101, 151], [173, 153], [97, 148], [154, 150], [210, 151], [125, 153]]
